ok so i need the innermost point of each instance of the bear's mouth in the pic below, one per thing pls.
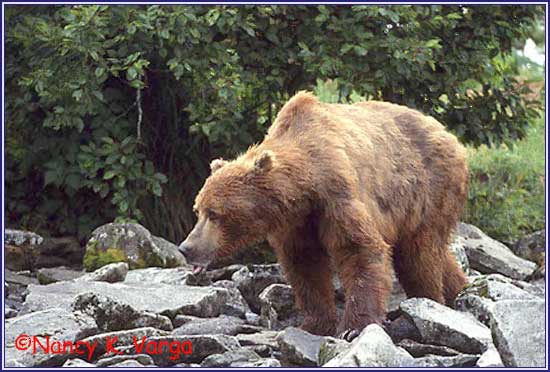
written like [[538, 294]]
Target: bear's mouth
[[197, 269]]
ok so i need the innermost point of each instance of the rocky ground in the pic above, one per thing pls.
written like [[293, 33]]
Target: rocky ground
[[244, 316]]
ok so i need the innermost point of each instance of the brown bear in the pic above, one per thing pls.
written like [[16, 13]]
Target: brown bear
[[350, 187]]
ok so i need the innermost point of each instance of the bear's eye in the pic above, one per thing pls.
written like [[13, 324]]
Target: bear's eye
[[212, 216]]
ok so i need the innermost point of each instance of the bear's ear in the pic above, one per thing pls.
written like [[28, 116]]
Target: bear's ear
[[264, 162], [217, 164]]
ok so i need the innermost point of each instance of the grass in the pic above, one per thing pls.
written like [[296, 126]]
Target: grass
[[506, 198]]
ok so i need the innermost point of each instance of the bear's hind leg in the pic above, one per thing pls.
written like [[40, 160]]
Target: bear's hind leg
[[307, 269], [425, 267], [454, 279]]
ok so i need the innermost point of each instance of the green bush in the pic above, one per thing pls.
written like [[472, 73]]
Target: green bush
[[507, 184], [116, 111]]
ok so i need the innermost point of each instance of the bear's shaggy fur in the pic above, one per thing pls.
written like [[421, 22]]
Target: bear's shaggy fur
[[350, 187]]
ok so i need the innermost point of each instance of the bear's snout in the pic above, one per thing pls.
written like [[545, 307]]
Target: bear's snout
[[184, 248]]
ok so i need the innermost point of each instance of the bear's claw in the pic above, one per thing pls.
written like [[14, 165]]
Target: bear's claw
[[349, 334]]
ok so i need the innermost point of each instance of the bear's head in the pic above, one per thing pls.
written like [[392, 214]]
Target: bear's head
[[233, 208]]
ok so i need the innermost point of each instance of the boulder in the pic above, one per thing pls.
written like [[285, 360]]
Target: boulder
[[372, 348], [402, 328], [163, 299], [262, 338], [531, 247], [110, 273], [78, 363], [195, 348], [331, 348], [225, 325], [479, 296], [487, 255], [253, 279], [440, 325], [116, 343], [131, 243], [235, 304], [457, 248], [143, 359], [461, 360], [129, 363], [48, 326], [299, 347], [21, 249], [417, 349], [518, 329], [223, 273], [230, 359], [174, 276], [260, 363], [490, 358], [277, 307], [111, 315], [57, 274]]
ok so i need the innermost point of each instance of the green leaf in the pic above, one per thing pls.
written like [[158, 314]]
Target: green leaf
[[132, 73], [157, 189], [108, 175]]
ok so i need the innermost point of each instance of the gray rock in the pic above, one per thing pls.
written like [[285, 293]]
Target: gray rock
[[110, 273], [54, 325], [462, 360], [331, 348], [440, 325], [518, 329], [190, 348], [417, 349], [531, 247], [372, 348], [111, 315], [402, 328], [261, 363], [21, 249], [78, 363], [229, 358], [57, 274], [163, 299], [223, 273], [180, 320], [9, 312], [252, 318], [22, 238], [300, 347], [225, 325], [457, 248], [131, 243], [490, 256], [479, 296], [235, 304], [143, 359], [277, 307], [115, 343], [18, 279], [267, 338], [490, 358], [130, 363], [253, 279], [174, 276]]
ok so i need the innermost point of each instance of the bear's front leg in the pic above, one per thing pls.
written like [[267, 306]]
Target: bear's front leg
[[362, 259], [307, 268]]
